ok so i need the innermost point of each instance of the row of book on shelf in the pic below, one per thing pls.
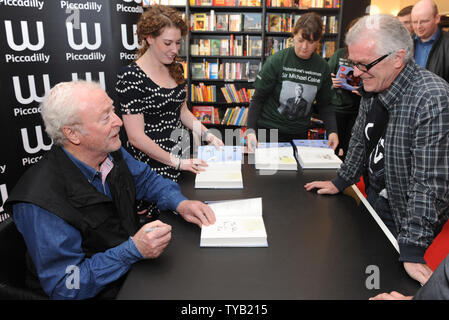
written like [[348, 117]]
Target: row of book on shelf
[[227, 71], [257, 3], [227, 46], [236, 116], [226, 3], [208, 93], [236, 22], [304, 4], [211, 21], [285, 22]]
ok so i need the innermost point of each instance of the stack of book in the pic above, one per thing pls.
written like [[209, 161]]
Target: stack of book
[[315, 154], [224, 170], [275, 156]]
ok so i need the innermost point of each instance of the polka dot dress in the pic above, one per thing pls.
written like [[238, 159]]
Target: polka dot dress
[[161, 108]]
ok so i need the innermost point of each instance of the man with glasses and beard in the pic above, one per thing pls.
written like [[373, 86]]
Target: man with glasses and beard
[[400, 141]]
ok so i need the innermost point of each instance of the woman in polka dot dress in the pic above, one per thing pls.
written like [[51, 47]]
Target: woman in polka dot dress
[[152, 97]]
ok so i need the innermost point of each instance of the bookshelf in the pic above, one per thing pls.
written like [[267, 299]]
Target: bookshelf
[[229, 40]]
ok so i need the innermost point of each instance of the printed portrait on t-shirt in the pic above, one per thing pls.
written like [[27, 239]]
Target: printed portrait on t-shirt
[[295, 100]]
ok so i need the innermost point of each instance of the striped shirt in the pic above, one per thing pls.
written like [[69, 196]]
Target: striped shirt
[[416, 156]]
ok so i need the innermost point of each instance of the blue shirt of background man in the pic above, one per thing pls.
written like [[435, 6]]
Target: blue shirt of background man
[[55, 246], [422, 49]]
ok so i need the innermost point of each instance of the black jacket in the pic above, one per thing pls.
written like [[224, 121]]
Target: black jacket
[[438, 60]]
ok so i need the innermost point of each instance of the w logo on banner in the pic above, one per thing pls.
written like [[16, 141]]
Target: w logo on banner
[[25, 36], [89, 78], [3, 195], [125, 42], [33, 96], [39, 138], [136, 1], [84, 38]]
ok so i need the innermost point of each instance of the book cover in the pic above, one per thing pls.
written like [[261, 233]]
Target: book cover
[[256, 47], [197, 70], [239, 223], [215, 45], [224, 170], [235, 22], [222, 22], [213, 70], [199, 22], [348, 80], [223, 156], [274, 23], [252, 22], [204, 113], [224, 47]]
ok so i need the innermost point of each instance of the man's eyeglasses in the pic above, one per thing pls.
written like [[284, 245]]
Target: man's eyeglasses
[[365, 67]]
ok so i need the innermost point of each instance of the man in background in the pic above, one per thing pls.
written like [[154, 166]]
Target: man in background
[[431, 43], [405, 16]]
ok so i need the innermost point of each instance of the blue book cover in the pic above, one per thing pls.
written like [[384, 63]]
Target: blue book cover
[[348, 81], [311, 143], [225, 153]]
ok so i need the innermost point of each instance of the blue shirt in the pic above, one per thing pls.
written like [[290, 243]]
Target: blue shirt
[[55, 246], [422, 49]]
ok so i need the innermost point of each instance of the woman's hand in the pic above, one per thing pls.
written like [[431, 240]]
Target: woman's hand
[[193, 165], [213, 140]]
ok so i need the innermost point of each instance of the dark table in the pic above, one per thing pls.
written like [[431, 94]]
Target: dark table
[[319, 247]]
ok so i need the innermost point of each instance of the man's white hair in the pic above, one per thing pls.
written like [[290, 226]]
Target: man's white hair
[[60, 107], [389, 34]]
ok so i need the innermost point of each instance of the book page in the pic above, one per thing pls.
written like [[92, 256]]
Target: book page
[[246, 207]]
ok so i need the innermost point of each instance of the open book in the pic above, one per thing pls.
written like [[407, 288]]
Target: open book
[[224, 169], [315, 154], [275, 156], [239, 223]]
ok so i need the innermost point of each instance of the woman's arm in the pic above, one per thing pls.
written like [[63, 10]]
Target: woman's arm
[[134, 126]]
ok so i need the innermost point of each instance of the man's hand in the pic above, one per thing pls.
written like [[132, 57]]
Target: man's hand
[[333, 140], [324, 187], [418, 271], [196, 212], [391, 296], [152, 239]]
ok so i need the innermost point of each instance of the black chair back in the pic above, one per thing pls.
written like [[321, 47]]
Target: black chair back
[[13, 265]]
